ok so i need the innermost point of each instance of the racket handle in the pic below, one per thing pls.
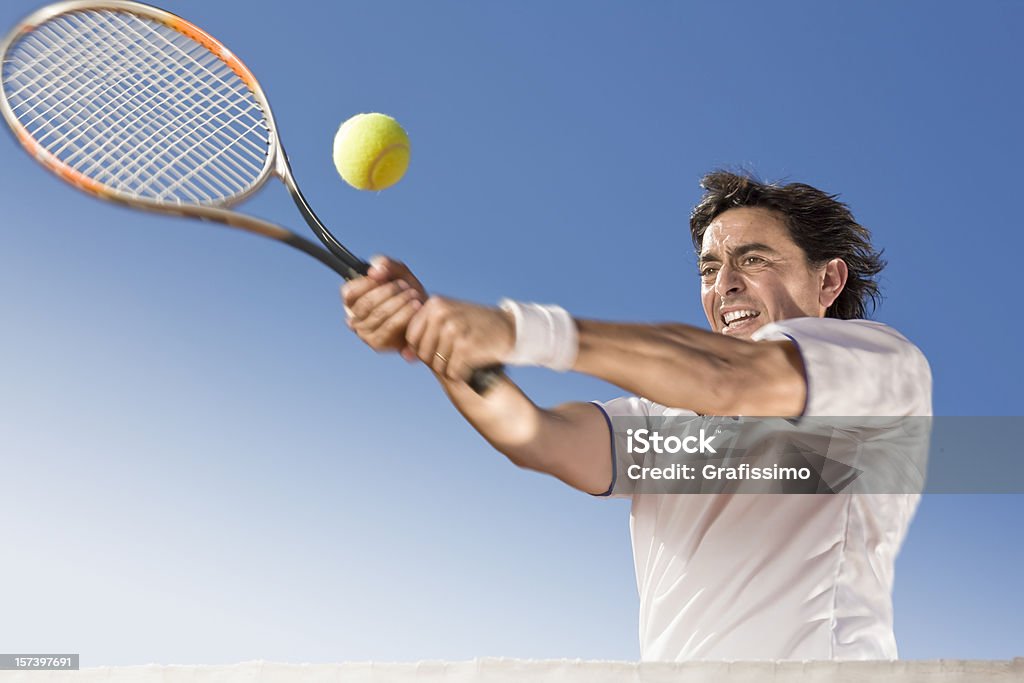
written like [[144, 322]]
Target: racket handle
[[349, 266], [484, 378]]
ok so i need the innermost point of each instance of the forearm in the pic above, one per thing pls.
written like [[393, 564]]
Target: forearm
[[682, 366], [570, 442]]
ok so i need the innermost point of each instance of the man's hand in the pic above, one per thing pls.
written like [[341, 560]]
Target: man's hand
[[454, 337], [380, 306]]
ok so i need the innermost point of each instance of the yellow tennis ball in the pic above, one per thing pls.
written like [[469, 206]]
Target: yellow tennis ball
[[371, 151]]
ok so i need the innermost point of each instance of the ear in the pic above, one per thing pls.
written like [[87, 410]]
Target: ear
[[832, 283]]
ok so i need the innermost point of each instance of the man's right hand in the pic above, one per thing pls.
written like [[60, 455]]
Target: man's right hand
[[380, 305]]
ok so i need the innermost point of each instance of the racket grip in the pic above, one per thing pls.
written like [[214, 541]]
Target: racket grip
[[484, 378]]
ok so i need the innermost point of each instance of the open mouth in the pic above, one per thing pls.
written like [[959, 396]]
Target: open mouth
[[736, 319]]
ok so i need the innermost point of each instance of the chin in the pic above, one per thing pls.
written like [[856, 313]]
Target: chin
[[744, 330]]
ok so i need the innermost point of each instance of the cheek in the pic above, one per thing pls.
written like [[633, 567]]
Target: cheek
[[804, 291], [707, 299], [788, 298], [768, 292]]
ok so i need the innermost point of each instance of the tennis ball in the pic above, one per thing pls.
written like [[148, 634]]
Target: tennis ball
[[371, 151]]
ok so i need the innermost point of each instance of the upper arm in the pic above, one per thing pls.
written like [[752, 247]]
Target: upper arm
[[771, 382], [575, 446]]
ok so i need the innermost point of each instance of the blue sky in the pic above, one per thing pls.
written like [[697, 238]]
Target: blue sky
[[202, 465]]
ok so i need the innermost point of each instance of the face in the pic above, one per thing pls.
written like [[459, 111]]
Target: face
[[752, 273]]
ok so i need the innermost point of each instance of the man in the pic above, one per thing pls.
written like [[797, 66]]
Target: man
[[786, 275]]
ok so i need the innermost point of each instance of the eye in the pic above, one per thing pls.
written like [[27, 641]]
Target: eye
[[707, 271], [753, 261]]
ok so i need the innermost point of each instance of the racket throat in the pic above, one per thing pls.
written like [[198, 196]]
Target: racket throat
[[355, 265]]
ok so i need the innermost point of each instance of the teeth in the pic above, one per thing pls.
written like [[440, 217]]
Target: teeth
[[733, 316]]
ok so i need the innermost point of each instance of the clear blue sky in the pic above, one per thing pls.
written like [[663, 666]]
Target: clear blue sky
[[202, 465]]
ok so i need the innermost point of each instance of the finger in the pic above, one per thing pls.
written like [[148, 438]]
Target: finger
[[390, 332], [400, 270], [443, 353], [378, 268], [384, 269], [426, 344], [377, 295], [453, 339], [353, 289], [392, 269], [417, 327], [383, 311]]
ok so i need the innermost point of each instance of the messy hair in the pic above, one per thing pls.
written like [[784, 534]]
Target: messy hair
[[821, 225]]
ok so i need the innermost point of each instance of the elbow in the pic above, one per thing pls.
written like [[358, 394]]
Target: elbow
[[541, 461], [523, 458]]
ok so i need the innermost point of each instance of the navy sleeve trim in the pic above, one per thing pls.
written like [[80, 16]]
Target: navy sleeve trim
[[807, 376], [611, 438]]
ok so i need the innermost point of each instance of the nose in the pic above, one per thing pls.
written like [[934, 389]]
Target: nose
[[729, 282]]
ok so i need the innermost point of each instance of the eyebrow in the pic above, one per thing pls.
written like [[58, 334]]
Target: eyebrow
[[710, 257]]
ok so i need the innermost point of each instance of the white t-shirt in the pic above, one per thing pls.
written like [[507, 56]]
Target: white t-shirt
[[783, 576]]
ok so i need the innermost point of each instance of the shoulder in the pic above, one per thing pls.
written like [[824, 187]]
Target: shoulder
[[856, 367], [868, 332], [865, 336]]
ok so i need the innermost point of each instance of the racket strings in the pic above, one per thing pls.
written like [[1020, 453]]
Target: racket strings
[[138, 106], [74, 139], [83, 134], [129, 128], [227, 94], [151, 66], [50, 66], [82, 97], [222, 148]]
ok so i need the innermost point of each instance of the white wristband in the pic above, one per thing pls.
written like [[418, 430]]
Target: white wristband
[[545, 336]]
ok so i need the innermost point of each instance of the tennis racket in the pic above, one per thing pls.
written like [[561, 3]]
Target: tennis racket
[[133, 104]]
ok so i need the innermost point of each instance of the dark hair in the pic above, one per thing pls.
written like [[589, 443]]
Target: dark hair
[[819, 224]]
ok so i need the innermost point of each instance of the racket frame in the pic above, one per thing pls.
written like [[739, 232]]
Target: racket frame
[[338, 258]]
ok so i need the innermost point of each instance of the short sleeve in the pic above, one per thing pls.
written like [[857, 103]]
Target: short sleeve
[[856, 367], [635, 412]]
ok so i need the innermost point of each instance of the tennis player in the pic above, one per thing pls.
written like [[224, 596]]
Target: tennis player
[[786, 277]]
